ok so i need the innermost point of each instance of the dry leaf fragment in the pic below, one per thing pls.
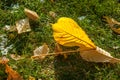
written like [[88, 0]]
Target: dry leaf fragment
[[112, 22], [41, 52], [23, 26], [16, 57], [31, 14], [68, 33], [52, 14], [98, 55], [4, 60], [9, 28], [12, 75]]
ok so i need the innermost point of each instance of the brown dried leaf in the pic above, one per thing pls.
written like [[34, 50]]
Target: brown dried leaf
[[16, 57], [12, 75], [112, 22], [4, 60], [23, 26], [9, 28], [98, 55], [41, 52], [52, 14], [31, 14]]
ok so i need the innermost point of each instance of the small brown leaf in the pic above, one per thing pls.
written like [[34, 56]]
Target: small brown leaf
[[41, 52], [4, 60], [12, 75], [9, 28], [23, 26], [98, 55], [16, 57], [52, 14], [112, 22], [31, 14]]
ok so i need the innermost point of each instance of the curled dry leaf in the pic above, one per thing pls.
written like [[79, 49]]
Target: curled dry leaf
[[23, 26], [16, 57], [112, 22], [12, 75], [41, 52], [68, 33], [31, 14], [98, 55]]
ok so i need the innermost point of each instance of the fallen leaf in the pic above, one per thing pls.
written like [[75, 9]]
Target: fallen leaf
[[9, 28], [31, 14], [12, 75], [68, 33], [41, 52], [23, 26], [112, 22], [98, 55], [52, 14], [16, 57], [4, 60]]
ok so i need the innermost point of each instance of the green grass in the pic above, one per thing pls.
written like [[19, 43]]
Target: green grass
[[58, 68]]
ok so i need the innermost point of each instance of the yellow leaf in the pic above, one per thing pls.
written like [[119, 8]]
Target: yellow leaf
[[112, 22], [41, 52], [31, 14], [68, 33], [12, 75]]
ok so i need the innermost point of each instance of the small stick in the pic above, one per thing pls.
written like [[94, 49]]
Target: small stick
[[51, 54]]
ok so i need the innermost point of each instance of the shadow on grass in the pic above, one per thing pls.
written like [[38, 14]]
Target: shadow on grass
[[75, 68]]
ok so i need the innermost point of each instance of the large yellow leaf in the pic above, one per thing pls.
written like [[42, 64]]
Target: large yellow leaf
[[68, 33]]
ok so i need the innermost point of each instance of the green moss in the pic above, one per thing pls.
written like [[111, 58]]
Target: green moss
[[57, 68]]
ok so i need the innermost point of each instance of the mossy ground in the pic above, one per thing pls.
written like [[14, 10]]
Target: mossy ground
[[58, 68]]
